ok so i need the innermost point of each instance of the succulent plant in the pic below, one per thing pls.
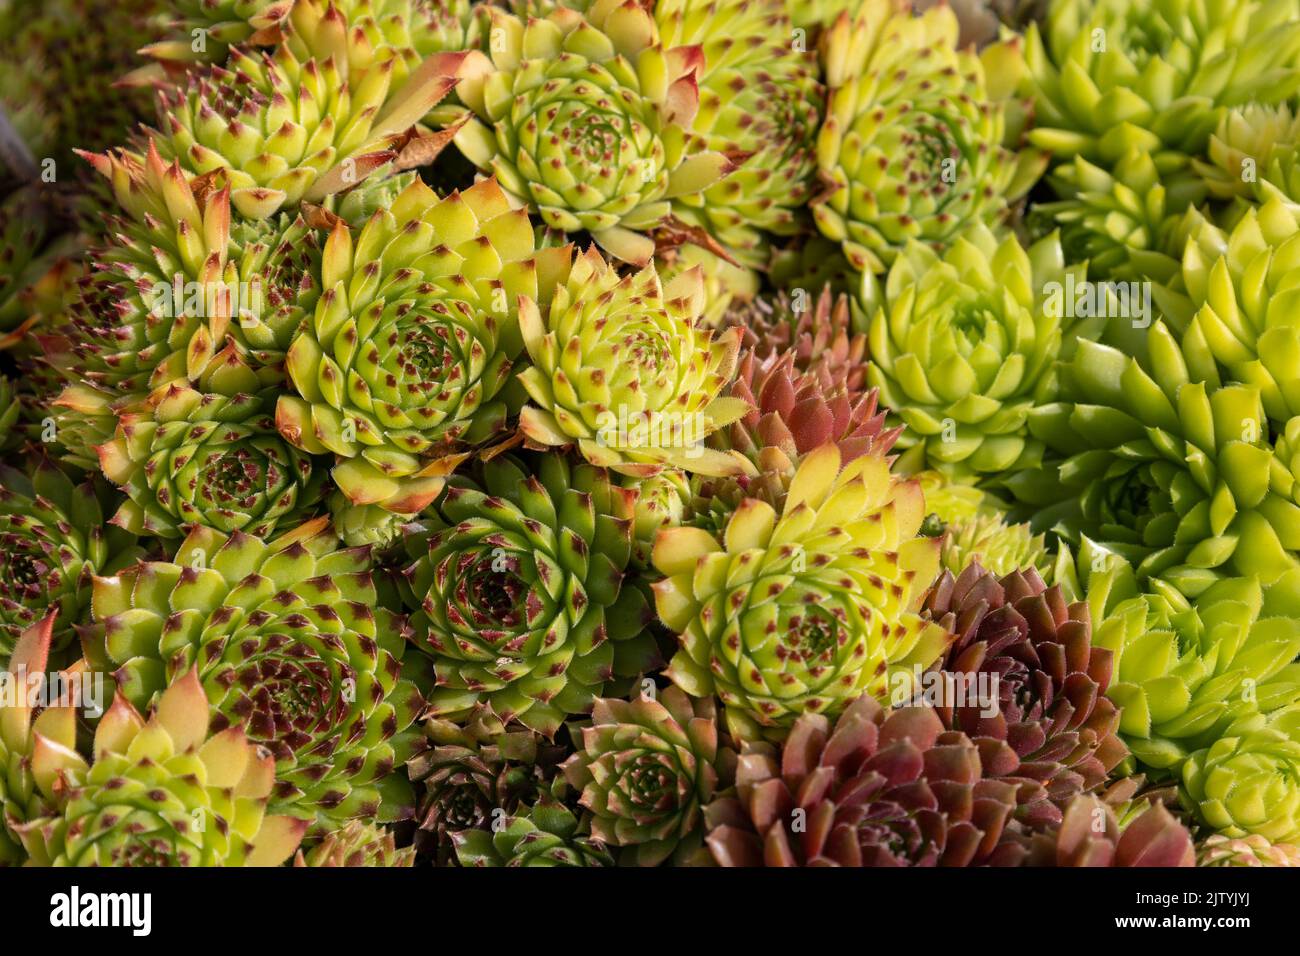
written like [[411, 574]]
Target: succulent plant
[[1245, 782], [1252, 850], [912, 144], [20, 797], [30, 247], [162, 791], [725, 285], [816, 326], [585, 118], [996, 545], [1251, 152], [802, 611], [644, 770], [662, 501], [1033, 679], [1230, 307], [472, 774], [547, 835], [357, 844], [53, 539], [791, 413], [965, 349], [217, 461], [1155, 838], [412, 340], [1119, 217], [758, 98], [621, 369], [1115, 83], [285, 129], [875, 788], [1183, 670], [290, 645], [521, 590], [160, 298], [1175, 476]]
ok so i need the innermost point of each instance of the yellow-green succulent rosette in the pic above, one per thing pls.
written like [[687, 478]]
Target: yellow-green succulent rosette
[[584, 117], [623, 370]]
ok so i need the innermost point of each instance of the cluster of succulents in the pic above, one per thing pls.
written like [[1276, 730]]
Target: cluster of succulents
[[648, 433]]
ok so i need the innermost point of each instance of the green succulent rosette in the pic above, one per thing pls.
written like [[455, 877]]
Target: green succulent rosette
[[1245, 783], [1185, 670], [585, 118], [291, 646], [622, 369], [164, 292], [547, 835], [965, 347], [805, 610], [645, 770], [912, 144], [166, 791], [759, 98], [1131, 92], [412, 341], [1234, 303], [204, 459], [53, 539], [1178, 478], [521, 592], [471, 771], [1119, 218], [285, 128], [1252, 154]]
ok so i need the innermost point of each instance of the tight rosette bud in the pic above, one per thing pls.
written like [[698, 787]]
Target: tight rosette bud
[[802, 611], [585, 118], [621, 368], [521, 592], [288, 642], [1246, 781]]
